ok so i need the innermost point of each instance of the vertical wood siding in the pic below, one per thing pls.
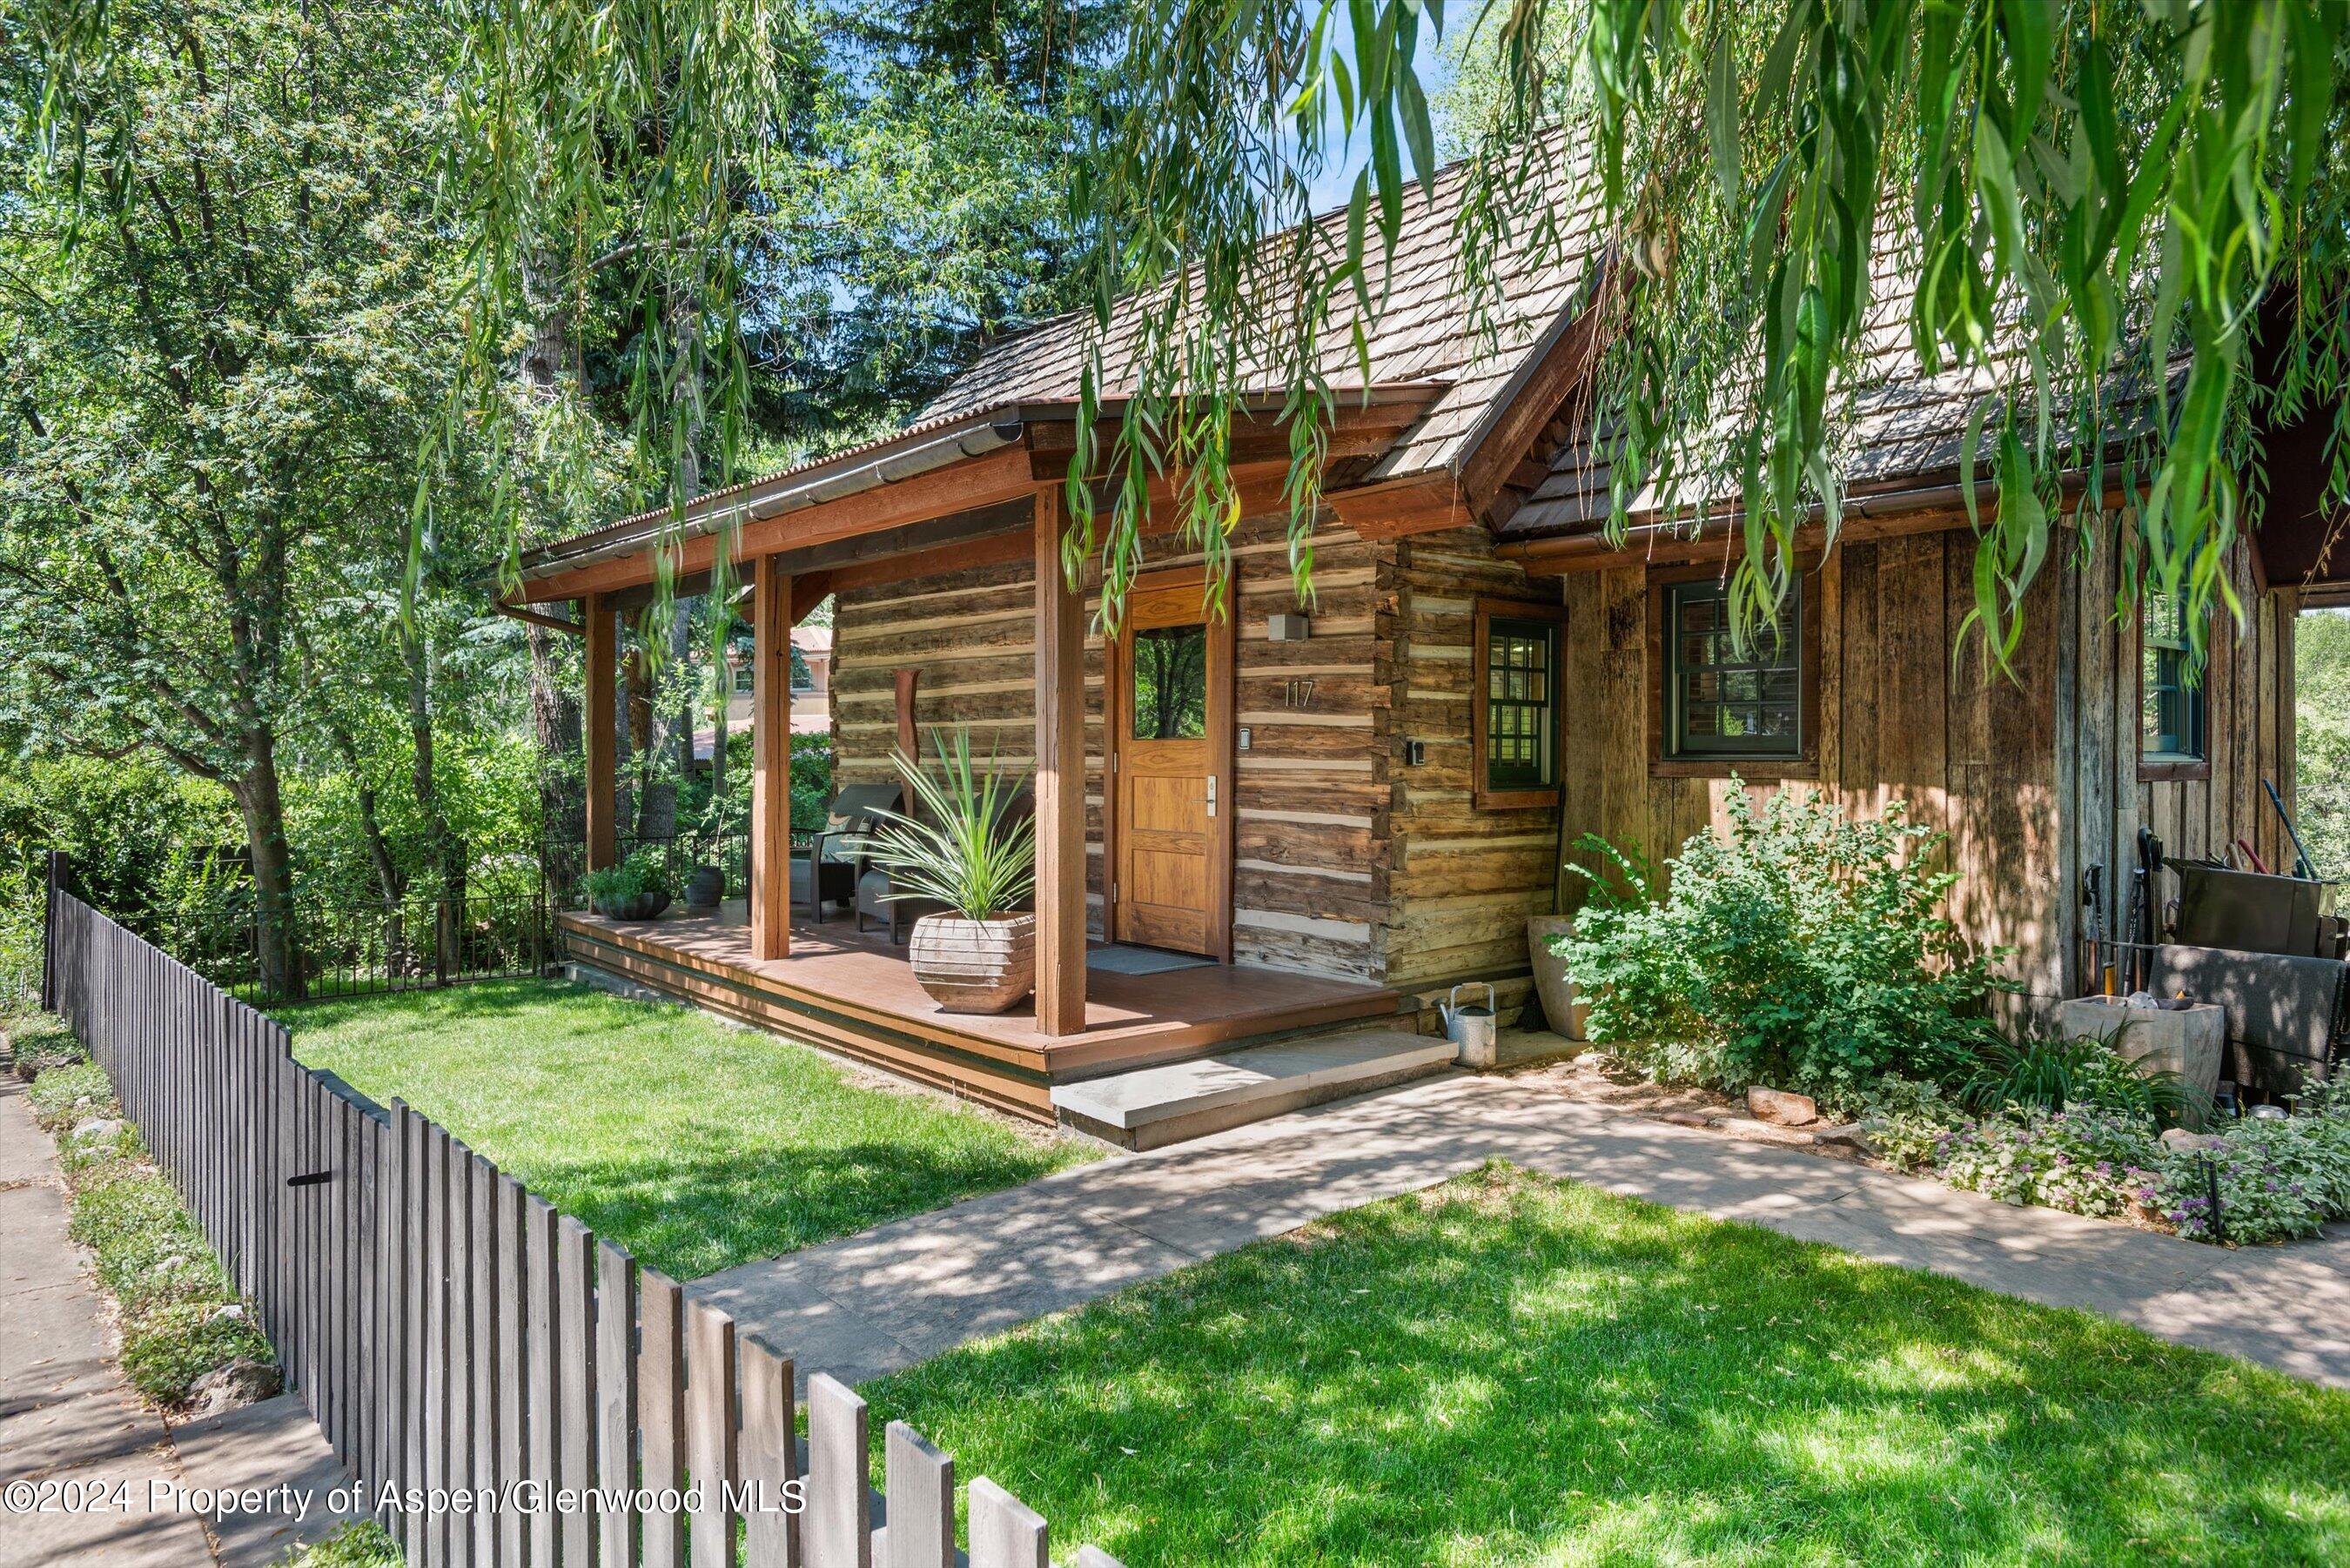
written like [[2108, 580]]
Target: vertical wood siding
[[449, 1330], [2033, 776]]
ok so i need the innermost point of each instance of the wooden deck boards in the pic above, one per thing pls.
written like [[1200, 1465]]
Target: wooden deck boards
[[857, 995]]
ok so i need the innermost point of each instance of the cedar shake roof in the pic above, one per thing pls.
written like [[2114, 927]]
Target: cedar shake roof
[[1423, 334], [1897, 430]]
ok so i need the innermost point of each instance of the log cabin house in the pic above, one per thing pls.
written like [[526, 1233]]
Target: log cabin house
[[1371, 792]]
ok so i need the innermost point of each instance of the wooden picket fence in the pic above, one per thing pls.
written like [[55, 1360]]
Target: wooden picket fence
[[458, 1338]]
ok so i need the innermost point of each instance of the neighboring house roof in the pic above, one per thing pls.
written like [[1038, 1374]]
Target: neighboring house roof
[[1423, 333]]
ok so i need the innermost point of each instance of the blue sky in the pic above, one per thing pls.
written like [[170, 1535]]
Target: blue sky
[[1337, 182]]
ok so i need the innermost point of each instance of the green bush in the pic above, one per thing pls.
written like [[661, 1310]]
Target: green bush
[[2050, 1072], [1803, 950], [2278, 1180], [41, 1043], [2085, 1161], [360, 1545]]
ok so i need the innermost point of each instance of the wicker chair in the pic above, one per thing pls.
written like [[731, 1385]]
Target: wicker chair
[[875, 889], [823, 863]]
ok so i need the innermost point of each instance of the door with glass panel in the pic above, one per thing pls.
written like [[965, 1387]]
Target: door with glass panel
[[1171, 722]]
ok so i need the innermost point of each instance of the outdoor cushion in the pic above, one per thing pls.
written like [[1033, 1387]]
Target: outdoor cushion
[[2287, 1017]]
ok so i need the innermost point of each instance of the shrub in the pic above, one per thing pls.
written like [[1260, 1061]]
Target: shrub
[[1909, 1121], [1803, 949], [41, 1043], [2279, 1178], [2085, 1161]]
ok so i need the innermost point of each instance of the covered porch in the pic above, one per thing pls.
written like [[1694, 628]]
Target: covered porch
[[855, 994], [977, 493]]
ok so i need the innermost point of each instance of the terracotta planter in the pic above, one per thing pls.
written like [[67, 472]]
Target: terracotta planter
[[974, 966]]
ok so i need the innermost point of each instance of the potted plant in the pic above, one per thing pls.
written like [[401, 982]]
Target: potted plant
[[705, 886], [965, 849], [631, 890]]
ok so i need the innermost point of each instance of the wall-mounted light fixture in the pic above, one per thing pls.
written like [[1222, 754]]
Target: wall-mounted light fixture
[[1288, 626]]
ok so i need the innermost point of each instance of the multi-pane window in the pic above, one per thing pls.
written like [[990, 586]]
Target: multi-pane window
[[1520, 704], [1726, 698], [2170, 692]]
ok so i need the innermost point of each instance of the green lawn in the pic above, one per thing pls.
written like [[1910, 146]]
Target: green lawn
[[1514, 1370], [695, 1146]]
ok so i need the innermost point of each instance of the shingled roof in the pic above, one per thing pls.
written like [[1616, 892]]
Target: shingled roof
[[1424, 331]]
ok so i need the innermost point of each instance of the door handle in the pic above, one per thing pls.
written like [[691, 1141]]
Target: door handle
[[1211, 794]]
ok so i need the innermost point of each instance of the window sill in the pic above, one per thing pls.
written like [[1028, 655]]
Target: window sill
[[2160, 770], [1516, 799], [1752, 770]]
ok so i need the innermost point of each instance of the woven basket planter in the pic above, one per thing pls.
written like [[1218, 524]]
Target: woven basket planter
[[974, 966]]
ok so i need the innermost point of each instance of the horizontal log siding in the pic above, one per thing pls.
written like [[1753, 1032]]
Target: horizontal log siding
[[1464, 879], [1310, 876], [2033, 777]]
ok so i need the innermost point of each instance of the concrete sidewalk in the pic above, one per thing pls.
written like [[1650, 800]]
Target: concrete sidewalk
[[66, 1414], [872, 1303]]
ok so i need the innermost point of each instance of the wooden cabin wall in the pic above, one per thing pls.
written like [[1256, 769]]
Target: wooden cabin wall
[[1310, 799], [1464, 878], [2032, 776]]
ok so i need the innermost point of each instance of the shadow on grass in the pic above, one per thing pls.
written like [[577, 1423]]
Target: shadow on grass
[[1512, 1369], [689, 1217]]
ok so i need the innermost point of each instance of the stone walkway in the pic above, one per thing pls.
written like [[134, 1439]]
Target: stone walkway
[[66, 1414], [873, 1304]]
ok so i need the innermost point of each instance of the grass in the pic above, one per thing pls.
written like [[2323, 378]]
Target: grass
[[695, 1146], [1510, 1370], [181, 1317]]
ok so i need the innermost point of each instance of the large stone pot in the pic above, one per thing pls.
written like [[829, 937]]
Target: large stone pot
[[706, 889], [2188, 1041], [1560, 1008], [643, 906], [974, 966]]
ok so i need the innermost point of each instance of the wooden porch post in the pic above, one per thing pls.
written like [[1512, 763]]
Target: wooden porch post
[[771, 768], [600, 727], [1060, 784]]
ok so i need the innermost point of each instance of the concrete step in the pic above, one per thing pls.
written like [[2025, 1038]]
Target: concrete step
[[1153, 1107]]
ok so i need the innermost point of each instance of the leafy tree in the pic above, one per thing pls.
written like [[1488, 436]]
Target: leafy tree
[[223, 342], [2084, 189], [2320, 653]]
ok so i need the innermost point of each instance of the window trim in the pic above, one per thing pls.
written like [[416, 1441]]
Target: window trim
[[1804, 764], [1484, 797], [2155, 767]]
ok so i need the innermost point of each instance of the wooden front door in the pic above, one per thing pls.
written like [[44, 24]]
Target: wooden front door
[[1172, 724]]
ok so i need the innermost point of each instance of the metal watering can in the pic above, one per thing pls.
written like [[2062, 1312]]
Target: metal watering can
[[1472, 1028]]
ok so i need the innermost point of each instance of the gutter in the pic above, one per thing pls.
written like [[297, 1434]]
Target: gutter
[[828, 480]]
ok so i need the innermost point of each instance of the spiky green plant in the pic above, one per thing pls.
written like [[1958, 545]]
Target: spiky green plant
[[2052, 1070], [963, 848]]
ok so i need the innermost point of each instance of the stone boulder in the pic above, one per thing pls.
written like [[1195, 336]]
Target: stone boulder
[[1781, 1107], [232, 1385]]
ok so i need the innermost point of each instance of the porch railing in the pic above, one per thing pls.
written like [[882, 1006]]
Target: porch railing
[[458, 1337]]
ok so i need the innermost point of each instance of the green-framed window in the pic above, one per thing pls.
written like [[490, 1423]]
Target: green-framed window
[[1521, 703], [2170, 692], [1726, 702]]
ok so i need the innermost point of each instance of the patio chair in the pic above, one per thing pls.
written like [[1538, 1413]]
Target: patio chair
[[824, 861], [874, 887]]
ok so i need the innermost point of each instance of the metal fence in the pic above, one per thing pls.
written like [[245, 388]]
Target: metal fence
[[360, 948], [456, 1337]]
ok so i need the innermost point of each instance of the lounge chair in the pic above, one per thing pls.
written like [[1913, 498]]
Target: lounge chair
[[825, 861]]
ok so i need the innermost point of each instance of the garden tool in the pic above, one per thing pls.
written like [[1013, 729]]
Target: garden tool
[[2301, 862]]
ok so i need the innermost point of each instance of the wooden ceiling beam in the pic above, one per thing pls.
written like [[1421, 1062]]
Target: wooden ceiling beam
[[1427, 503]]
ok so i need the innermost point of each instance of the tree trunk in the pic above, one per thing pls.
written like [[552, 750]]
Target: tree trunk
[[562, 793], [448, 859], [259, 801]]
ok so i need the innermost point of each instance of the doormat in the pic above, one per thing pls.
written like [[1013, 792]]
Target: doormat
[[1124, 959]]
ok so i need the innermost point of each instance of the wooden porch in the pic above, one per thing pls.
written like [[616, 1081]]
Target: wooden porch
[[856, 995]]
